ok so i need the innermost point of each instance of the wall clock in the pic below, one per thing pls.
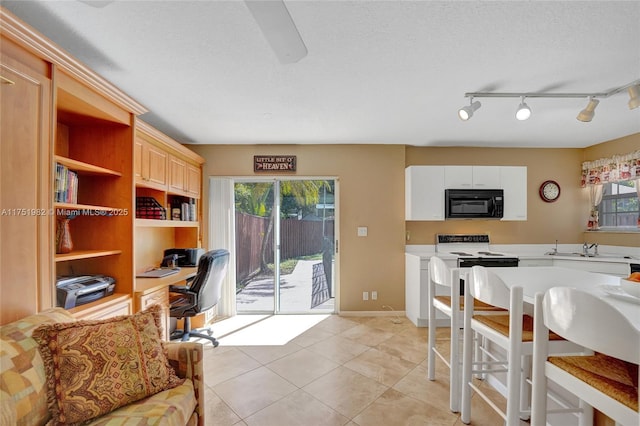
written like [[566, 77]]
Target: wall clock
[[549, 191]]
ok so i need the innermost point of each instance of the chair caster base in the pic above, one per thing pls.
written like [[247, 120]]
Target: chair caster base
[[181, 335]]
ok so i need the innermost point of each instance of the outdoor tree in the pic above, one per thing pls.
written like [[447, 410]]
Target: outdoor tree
[[257, 198]]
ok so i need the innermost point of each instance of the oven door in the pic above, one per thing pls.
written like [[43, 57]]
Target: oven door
[[504, 262], [466, 263]]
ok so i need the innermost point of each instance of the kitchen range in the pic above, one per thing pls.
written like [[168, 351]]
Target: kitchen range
[[473, 249]]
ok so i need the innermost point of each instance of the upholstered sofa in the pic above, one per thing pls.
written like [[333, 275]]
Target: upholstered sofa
[[23, 381]]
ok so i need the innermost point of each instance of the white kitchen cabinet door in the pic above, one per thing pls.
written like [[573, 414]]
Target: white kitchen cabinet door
[[513, 180], [458, 177], [610, 268], [471, 177], [486, 177], [424, 193]]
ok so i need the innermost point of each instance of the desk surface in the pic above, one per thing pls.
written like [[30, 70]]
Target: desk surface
[[538, 279], [147, 285]]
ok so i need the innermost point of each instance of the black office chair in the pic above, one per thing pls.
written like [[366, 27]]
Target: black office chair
[[200, 295]]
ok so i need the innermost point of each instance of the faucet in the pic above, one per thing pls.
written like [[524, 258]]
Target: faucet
[[586, 247], [554, 251]]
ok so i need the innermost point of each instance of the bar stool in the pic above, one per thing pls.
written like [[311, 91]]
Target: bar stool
[[440, 274], [513, 332], [604, 380]]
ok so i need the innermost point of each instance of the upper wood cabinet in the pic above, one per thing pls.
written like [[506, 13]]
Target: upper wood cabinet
[[164, 164], [150, 163], [194, 180], [184, 177], [177, 175]]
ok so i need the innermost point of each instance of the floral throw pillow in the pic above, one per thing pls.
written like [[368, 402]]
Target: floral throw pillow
[[94, 367]]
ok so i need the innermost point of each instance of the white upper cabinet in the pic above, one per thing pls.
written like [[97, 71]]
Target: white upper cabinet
[[513, 180], [425, 185], [472, 177], [424, 193]]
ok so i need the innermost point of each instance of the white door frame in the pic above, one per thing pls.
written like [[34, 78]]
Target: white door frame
[[221, 231]]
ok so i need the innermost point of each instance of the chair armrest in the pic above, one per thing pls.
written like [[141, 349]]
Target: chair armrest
[[187, 360], [178, 289]]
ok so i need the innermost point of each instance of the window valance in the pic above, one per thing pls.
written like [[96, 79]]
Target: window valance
[[614, 169]]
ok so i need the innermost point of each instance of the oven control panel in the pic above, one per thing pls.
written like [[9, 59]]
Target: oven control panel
[[462, 238]]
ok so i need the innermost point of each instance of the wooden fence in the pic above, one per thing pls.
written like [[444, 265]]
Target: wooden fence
[[297, 238]]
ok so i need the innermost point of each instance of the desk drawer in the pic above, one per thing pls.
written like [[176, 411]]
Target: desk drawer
[[160, 297]]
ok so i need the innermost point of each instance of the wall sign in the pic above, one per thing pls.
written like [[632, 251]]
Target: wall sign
[[274, 163]]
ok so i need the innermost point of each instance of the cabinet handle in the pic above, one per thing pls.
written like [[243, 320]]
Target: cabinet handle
[[5, 80]]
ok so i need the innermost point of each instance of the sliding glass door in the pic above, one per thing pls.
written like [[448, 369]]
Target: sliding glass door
[[285, 234]]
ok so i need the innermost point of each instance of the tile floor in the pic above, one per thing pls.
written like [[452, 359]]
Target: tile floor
[[328, 370]]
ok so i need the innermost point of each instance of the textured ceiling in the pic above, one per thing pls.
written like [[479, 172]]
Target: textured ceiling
[[383, 72]]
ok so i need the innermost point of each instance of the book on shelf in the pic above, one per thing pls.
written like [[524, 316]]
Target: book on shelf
[[183, 209], [66, 185]]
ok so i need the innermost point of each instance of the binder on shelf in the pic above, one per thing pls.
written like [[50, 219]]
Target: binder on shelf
[[149, 208]]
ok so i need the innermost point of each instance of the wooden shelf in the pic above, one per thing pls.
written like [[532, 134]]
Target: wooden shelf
[[157, 223], [85, 168], [72, 206], [85, 254]]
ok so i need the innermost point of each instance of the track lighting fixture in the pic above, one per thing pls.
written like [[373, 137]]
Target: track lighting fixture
[[634, 96], [588, 112], [524, 112], [466, 113]]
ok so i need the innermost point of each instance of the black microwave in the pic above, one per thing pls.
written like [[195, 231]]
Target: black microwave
[[473, 203]]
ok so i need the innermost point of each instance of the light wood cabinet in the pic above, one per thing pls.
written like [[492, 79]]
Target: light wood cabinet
[[194, 179], [177, 175], [184, 177], [26, 213], [150, 163], [160, 297], [59, 115], [59, 118], [112, 306], [94, 139]]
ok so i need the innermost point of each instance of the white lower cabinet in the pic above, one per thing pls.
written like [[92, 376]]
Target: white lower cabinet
[[611, 268]]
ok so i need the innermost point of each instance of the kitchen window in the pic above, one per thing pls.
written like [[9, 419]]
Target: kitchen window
[[619, 207]]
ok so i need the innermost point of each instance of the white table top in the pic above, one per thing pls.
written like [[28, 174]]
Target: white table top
[[538, 279]]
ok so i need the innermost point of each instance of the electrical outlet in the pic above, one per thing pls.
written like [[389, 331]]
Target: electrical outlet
[[365, 295], [374, 295], [362, 231]]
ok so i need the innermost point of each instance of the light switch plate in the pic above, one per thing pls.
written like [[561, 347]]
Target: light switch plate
[[362, 231]]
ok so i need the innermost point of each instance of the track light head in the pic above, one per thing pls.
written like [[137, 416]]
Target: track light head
[[466, 113], [523, 112], [586, 115], [634, 96]]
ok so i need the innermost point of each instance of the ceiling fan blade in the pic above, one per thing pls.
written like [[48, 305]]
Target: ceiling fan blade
[[97, 3], [278, 28]]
